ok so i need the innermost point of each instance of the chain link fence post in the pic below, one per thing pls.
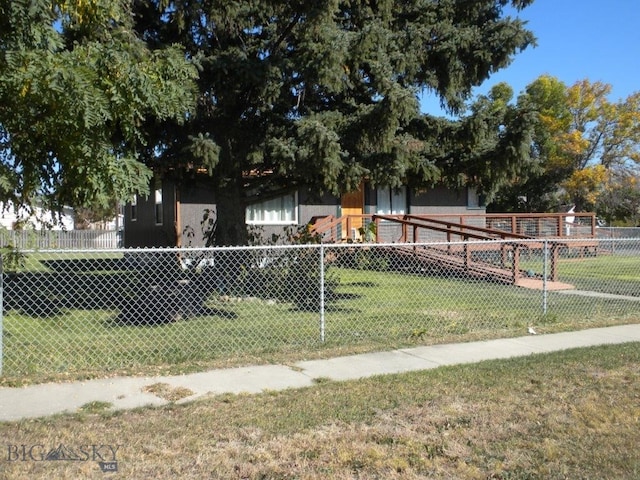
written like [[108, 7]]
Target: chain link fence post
[[322, 320], [545, 292], [1, 312]]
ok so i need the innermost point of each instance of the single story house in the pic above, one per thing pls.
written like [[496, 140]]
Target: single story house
[[172, 216], [21, 218]]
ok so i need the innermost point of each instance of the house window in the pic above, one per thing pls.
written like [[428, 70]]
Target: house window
[[391, 201], [274, 211], [158, 206], [134, 208]]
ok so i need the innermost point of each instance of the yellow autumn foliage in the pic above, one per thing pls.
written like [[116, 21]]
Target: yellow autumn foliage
[[587, 183], [83, 12], [585, 99]]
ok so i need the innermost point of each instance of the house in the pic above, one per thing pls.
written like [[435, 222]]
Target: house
[[21, 218], [172, 216]]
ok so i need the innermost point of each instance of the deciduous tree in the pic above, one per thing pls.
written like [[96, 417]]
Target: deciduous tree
[[583, 142], [76, 86]]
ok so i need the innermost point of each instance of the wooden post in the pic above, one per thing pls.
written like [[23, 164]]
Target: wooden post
[[515, 267], [467, 253]]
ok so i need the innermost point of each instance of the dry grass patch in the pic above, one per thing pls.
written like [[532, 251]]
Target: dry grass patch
[[168, 392], [573, 414]]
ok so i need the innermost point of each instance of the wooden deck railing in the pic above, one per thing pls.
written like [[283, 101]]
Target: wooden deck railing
[[462, 232], [450, 229], [529, 225], [464, 227]]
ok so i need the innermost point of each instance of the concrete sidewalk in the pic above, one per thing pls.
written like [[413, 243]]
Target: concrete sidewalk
[[131, 392]]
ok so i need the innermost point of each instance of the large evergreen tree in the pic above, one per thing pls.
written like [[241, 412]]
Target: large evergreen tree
[[75, 86], [489, 147], [324, 93]]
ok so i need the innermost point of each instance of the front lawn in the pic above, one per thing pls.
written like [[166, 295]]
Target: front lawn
[[571, 414], [367, 310]]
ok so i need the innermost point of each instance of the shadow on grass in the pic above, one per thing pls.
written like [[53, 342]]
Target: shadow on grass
[[143, 295], [76, 265]]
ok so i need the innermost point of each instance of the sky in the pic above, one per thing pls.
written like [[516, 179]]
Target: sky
[[594, 39]]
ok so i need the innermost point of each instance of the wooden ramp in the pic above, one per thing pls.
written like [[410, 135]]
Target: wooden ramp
[[467, 244], [459, 257], [436, 259], [451, 261]]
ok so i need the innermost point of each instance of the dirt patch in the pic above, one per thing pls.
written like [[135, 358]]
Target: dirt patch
[[536, 284]]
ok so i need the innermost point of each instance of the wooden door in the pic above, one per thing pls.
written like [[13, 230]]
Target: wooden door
[[352, 203]]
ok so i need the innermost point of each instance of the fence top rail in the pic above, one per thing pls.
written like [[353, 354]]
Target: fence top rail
[[524, 241], [182, 250]]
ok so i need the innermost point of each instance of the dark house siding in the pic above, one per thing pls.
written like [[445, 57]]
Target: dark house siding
[[196, 197], [310, 206], [439, 200], [144, 231], [194, 201]]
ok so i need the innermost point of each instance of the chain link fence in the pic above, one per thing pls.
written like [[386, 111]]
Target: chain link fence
[[87, 312]]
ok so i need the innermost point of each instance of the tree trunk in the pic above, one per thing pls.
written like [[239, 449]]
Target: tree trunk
[[231, 228], [230, 216]]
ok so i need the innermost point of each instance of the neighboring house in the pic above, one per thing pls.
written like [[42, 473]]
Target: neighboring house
[[21, 219], [172, 216]]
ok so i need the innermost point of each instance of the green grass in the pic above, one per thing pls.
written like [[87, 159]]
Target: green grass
[[616, 274], [369, 310], [95, 407], [571, 414], [610, 274]]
